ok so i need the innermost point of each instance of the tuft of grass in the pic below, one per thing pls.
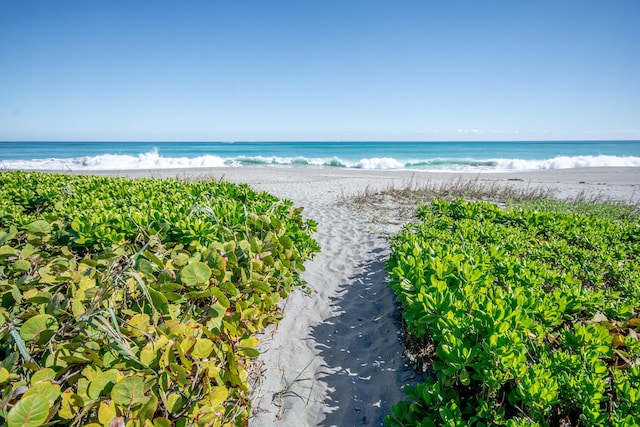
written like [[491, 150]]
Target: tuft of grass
[[397, 204]]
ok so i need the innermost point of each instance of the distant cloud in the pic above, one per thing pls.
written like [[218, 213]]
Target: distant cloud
[[626, 131], [492, 132]]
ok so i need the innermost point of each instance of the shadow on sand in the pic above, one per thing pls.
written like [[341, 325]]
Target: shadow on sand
[[362, 348]]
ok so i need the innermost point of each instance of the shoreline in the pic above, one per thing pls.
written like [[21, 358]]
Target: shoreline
[[336, 357]]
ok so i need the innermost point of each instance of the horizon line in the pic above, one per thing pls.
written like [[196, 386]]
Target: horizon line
[[311, 140]]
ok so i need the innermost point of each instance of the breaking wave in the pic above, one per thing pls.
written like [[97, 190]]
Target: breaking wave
[[153, 160]]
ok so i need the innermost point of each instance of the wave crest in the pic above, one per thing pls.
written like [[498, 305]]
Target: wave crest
[[153, 160]]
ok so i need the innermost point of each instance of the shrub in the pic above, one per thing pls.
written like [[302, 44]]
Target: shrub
[[534, 316], [138, 299]]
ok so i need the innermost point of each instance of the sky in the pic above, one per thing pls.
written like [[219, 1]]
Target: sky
[[331, 70]]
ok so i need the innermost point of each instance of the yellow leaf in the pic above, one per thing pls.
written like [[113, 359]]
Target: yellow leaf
[[4, 375], [107, 412], [150, 352], [202, 348], [212, 369], [187, 344], [218, 395], [71, 404], [138, 324], [249, 342]]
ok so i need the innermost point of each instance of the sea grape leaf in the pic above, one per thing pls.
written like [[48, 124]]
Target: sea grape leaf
[[45, 374], [218, 395], [144, 266], [149, 354], [138, 324], [222, 299], [7, 251], [202, 348], [21, 265], [71, 403], [37, 297], [30, 411], [39, 323], [174, 403], [4, 375], [40, 227], [129, 391], [147, 410], [260, 286], [153, 258], [101, 383], [160, 302], [249, 351], [161, 422], [107, 412], [45, 389], [195, 273]]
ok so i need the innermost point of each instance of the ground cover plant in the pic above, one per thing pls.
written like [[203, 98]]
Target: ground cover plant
[[533, 315], [138, 301]]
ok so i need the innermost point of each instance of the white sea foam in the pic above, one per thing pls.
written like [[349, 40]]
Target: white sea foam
[[566, 162], [149, 160], [379, 163], [153, 160]]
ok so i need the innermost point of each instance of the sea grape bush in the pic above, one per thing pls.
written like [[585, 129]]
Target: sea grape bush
[[138, 299], [534, 316]]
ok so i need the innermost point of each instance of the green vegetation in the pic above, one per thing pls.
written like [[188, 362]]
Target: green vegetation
[[138, 298], [533, 315], [398, 204]]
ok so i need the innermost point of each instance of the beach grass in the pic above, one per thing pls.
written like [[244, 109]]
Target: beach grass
[[397, 203]]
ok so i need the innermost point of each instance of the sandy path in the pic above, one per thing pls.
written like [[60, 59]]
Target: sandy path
[[336, 357]]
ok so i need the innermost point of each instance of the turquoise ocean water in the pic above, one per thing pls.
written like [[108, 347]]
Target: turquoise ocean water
[[425, 156]]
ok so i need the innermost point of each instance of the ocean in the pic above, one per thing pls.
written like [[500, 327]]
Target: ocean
[[418, 156]]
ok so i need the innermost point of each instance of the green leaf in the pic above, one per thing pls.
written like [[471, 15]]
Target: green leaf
[[45, 389], [129, 391], [30, 411], [249, 351], [102, 383], [39, 323], [464, 377], [195, 273], [7, 251], [147, 410], [21, 265], [174, 403], [286, 242], [46, 374], [39, 227], [144, 266], [161, 422], [160, 302]]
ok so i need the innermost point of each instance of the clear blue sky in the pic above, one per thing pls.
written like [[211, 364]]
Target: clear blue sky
[[319, 70]]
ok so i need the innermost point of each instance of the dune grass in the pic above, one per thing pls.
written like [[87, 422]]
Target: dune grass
[[397, 204]]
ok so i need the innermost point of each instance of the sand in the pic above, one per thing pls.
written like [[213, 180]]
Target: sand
[[336, 358]]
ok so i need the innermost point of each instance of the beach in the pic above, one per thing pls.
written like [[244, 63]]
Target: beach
[[336, 357]]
